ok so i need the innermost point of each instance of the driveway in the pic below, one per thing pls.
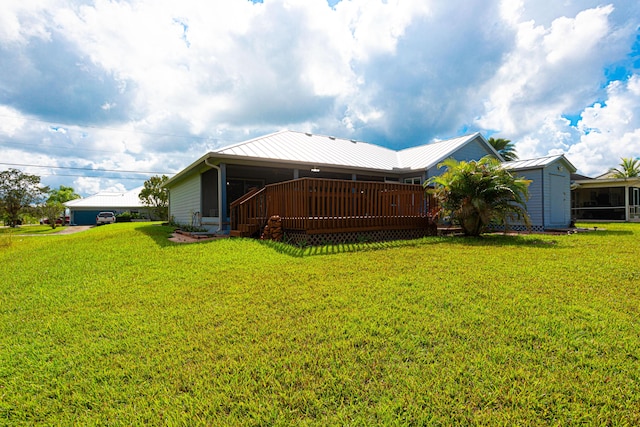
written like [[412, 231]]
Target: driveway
[[75, 229], [68, 230]]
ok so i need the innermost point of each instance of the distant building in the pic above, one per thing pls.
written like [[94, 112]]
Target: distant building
[[605, 198], [84, 211]]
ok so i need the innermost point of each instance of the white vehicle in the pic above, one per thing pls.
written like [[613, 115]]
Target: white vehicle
[[105, 218]]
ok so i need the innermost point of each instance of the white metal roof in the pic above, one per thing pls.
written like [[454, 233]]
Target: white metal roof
[[311, 148], [108, 199], [327, 150], [429, 155], [540, 162]]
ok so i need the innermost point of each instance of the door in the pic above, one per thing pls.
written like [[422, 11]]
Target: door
[[558, 201], [634, 205]]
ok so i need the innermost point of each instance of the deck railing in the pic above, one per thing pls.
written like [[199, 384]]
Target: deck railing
[[248, 213], [314, 205]]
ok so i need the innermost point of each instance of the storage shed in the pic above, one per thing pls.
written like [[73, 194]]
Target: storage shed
[[549, 204]]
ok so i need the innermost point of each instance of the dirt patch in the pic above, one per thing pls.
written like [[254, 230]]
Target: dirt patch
[[182, 237], [74, 229]]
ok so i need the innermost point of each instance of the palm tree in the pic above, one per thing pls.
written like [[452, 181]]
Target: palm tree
[[476, 193], [628, 168], [505, 148]]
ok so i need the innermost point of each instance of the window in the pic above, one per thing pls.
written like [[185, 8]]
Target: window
[[415, 180]]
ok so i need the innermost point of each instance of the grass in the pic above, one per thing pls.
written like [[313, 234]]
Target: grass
[[116, 325], [31, 229]]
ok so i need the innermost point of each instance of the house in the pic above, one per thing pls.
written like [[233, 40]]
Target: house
[[605, 198], [84, 211], [393, 178], [196, 197], [549, 204]]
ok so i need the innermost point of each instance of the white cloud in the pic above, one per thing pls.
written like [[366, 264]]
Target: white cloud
[[88, 186], [21, 20], [160, 82], [11, 121], [550, 71], [609, 131], [571, 40], [376, 26], [558, 71]]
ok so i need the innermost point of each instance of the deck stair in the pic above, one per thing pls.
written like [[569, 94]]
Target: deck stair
[[246, 230], [248, 214]]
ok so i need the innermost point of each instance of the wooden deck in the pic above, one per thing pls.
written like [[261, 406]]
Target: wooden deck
[[324, 206]]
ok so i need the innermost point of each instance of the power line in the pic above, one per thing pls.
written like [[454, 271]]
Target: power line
[[87, 169], [92, 176], [104, 128], [20, 144]]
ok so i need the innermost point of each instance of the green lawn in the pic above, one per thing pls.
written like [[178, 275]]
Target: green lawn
[[30, 229], [118, 326]]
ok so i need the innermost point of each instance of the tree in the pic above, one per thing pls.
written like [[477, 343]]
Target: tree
[[62, 194], [505, 148], [18, 191], [52, 210], [628, 168], [155, 196], [476, 193]]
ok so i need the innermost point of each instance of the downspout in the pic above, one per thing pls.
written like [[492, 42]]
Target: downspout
[[216, 167]]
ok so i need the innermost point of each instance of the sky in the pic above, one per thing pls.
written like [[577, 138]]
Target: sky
[[102, 94]]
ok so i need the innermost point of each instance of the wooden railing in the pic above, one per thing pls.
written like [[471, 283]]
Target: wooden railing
[[248, 213], [329, 206]]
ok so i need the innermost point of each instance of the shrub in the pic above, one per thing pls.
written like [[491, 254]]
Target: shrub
[[124, 217]]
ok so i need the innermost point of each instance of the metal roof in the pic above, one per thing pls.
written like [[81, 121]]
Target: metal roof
[[314, 149], [108, 199], [540, 162], [599, 182], [429, 155], [327, 150]]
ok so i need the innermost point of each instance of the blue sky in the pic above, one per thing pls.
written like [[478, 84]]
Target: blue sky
[[152, 85]]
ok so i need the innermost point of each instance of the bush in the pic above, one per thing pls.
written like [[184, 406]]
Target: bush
[[123, 217], [191, 228], [128, 216]]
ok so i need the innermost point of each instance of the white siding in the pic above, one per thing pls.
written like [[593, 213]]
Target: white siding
[[184, 200]]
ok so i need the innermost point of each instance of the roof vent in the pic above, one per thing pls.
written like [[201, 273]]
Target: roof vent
[[308, 133], [332, 137], [354, 141]]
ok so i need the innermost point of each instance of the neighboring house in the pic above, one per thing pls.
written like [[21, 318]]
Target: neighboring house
[[549, 204], [196, 198], [605, 198], [84, 211]]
